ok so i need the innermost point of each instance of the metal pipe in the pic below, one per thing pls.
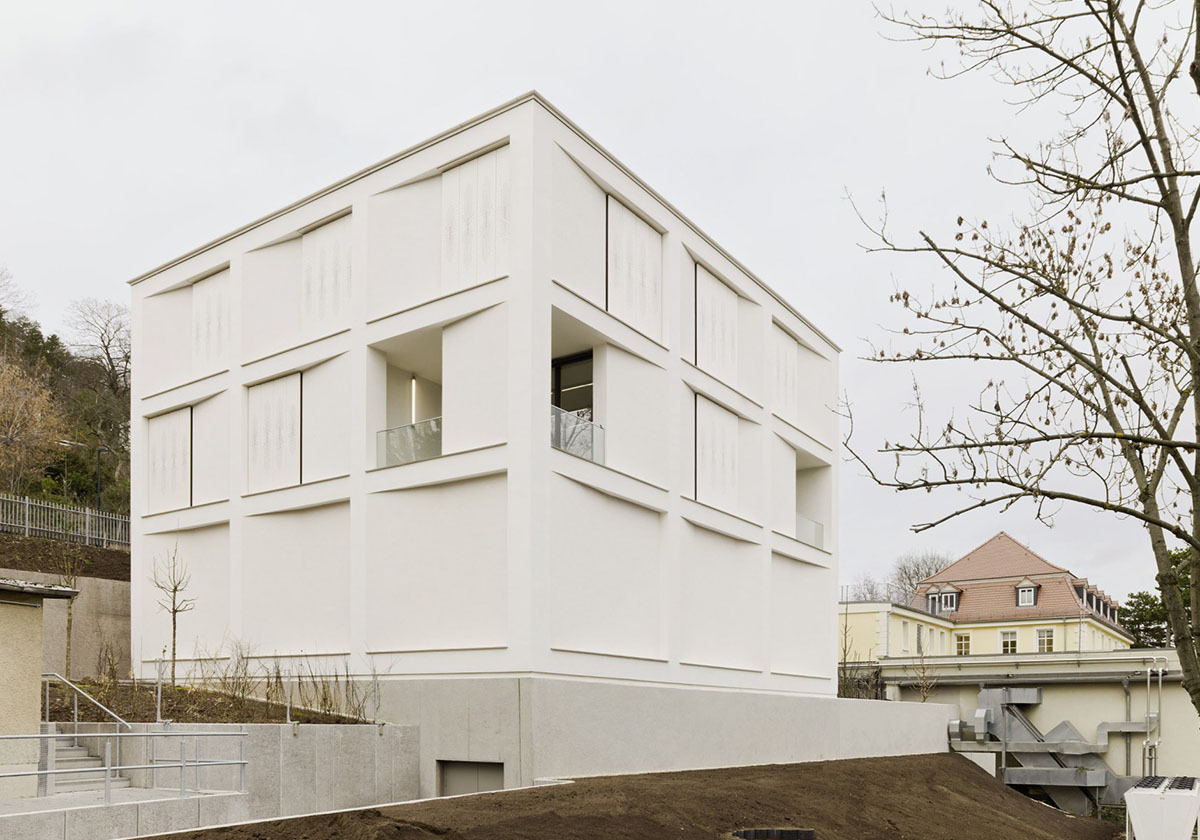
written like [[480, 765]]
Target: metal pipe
[[108, 772], [1128, 741], [75, 742]]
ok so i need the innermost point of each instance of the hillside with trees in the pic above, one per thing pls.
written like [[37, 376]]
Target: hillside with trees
[[64, 403]]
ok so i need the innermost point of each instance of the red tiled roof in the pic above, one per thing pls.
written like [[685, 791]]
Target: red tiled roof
[[988, 578], [1001, 556]]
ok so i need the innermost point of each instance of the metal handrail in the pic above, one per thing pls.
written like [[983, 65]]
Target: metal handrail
[[79, 692], [110, 769]]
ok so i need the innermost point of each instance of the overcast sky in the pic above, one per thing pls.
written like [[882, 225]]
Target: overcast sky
[[132, 132]]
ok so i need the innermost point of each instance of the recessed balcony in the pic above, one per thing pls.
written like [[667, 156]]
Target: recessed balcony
[[418, 441], [574, 432]]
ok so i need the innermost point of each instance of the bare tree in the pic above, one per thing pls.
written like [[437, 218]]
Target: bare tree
[[1083, 318], [172, 578], [14, 301], [30, 426], [68, 561], [856, 677], [100, 333], [910, 569], [924, 675]]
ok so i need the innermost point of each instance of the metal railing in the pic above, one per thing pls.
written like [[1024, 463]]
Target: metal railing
[[574, 432], [30, 518], [112, 770], [404, 444], [810, 531]]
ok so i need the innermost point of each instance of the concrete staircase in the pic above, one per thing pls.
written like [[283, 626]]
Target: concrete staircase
[[70, 757]]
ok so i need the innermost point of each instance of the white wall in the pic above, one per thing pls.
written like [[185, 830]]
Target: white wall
[[169, 455], [295, 583], [578, 234], [204, 552], [635, 274], [474, 385], [717, 455], [210, 448], [476, 221], [717, 327], [405, 246], [436, 582], [605, 558], [273, 434], [325, 415], [631, 396], [722, 594]]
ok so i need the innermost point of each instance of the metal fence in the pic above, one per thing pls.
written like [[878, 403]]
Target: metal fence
[[31, 518]]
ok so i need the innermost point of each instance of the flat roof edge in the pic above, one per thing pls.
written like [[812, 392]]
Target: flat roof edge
[[531, 96]]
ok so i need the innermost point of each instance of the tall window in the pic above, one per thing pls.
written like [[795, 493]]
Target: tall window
[[904, 635], [933, 604], [1008, 641], [920, 639], [571, 383], [962, 644], [1045, 641], [1025, 596]]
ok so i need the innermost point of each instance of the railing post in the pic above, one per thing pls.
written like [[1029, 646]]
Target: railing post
[[196, 758], [153, 762], [108, 772], [47, 682], [87, 527], [289, 697], [75, 698], [27, 516], [182, 767], [242, 759]]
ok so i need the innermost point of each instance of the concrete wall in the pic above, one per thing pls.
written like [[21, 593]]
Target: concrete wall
[[546, 727], [291, 770], [20, 680], [126, 819], [100, 620]]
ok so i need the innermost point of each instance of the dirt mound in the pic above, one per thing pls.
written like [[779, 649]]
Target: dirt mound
[[31, 554], [931, 797]]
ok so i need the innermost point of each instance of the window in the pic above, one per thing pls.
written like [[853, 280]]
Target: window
[[942, 642], [933, 604], [1045, 641], [571, 383], [949, 601], [920, 639], [1025, 596], [1008, 641], [962, 644], [904, 635]]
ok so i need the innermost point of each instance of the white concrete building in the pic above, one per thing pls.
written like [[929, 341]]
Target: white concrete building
[[493, 420]]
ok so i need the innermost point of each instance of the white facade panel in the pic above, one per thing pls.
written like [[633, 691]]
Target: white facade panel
[[635, 272], [605, 573], [717, 481], [716, 327], [476, 220], [784, 396], [169, 457], [404, 231], [802, 629], [721, 598], [296, 564], [271, 299], [435, 584], [817, 409], [782, 464], [273, 434], [325, 409], [579, 223], [325, 278], [210, 324], [210, 447], [475, 381], [632, 402], [204, 630], [166, 328]]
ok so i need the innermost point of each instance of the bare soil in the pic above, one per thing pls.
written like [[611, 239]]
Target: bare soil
[[32, 554], [932, 797], [179, 704]]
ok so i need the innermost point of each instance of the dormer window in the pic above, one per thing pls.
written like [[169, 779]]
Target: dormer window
[[933, 603], [1026, 596], [949, 601]]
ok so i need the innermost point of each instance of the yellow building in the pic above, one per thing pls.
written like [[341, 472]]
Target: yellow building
[[1000, 598]]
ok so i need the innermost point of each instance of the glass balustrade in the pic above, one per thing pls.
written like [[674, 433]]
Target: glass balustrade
[[575, 433], [405, 444], [810, 531]]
